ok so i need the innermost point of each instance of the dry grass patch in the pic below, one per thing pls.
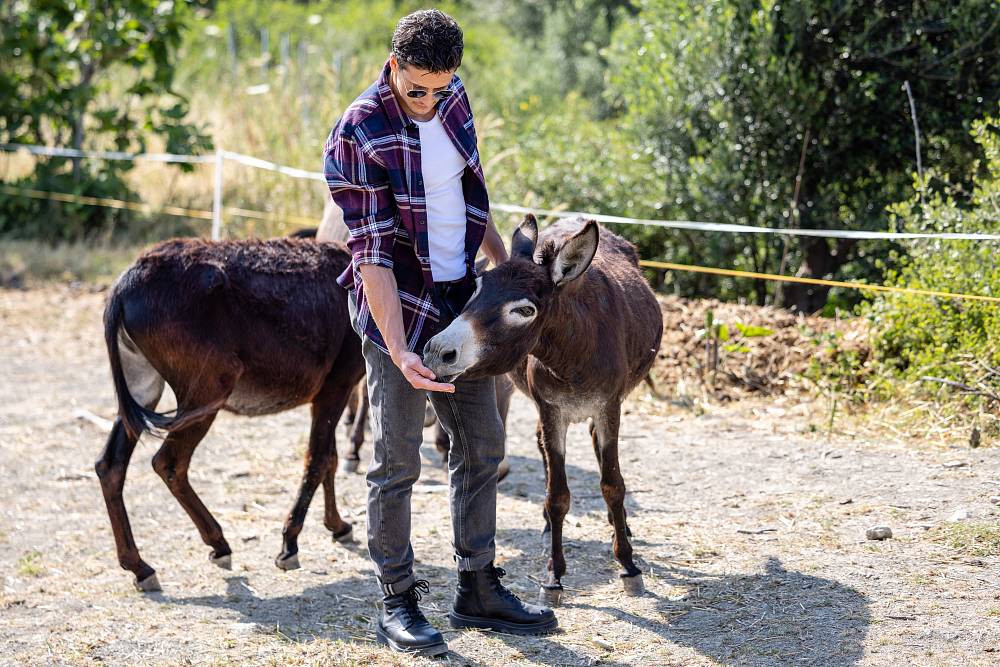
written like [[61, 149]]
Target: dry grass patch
[[970, 538]]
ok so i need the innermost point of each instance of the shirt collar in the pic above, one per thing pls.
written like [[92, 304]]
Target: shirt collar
[[397, 116]]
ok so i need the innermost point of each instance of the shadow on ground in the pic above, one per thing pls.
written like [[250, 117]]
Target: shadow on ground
[[527, 479], [771, 618]]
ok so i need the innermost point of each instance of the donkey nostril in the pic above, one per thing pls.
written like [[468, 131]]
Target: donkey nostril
[[450, 356]]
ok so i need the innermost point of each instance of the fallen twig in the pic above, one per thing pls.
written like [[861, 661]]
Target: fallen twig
[[966, 389], [757, 531]]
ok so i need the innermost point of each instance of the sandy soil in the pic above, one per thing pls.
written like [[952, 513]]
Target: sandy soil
[[750, 529]]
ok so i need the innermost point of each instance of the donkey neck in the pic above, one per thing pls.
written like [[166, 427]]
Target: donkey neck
[[569, 336]]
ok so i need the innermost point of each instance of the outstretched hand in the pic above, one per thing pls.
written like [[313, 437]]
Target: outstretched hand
[[418, 375]]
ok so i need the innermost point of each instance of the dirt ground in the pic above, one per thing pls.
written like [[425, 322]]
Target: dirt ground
[[749, 526]]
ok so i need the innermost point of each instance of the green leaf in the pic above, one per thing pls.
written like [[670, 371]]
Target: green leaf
[[753, 331]]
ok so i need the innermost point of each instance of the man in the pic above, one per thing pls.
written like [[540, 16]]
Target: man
[[403, 165]]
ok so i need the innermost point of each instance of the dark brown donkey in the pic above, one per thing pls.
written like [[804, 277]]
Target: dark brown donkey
[[573, 319], [253, 327]]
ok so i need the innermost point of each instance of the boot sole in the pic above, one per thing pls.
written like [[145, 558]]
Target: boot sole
[[430, 651], [461, 621]]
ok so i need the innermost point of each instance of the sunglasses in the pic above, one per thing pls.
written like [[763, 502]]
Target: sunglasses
[[417, 94], [439, 95]]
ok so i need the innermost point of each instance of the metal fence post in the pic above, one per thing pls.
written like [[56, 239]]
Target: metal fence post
[[217, 197]]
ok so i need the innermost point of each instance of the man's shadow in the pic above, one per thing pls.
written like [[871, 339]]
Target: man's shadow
[[771, 618]]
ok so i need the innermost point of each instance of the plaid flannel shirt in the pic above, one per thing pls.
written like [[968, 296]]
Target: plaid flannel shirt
[[372, 166]]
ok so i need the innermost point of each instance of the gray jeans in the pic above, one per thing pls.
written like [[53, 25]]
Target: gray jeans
[[471, 419]]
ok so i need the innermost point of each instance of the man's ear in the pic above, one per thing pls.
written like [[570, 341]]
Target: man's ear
[[525, 236], [575, 255]]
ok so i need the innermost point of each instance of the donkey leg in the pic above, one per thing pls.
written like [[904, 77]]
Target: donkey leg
[[545, 469], [340, 529], [613, 489], [358, 395], [442, 443], [592, 427], [111, 468], [352, 408], [171, 463], [322, 454], [557, 501]]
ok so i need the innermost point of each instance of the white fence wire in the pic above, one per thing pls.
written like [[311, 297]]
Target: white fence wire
[[221, 156]]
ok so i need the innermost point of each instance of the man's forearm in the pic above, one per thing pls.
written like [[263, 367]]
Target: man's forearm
[[383, 302], [493, 246]]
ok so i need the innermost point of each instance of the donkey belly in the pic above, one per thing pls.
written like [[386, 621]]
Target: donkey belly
[[576, 402], [252, 399]]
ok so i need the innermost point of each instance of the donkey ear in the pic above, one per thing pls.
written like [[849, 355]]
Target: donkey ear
[[575, 255], [523, 243]]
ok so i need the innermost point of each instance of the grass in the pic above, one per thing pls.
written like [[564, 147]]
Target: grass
[[24, 263], [907, 413], [30, 564], [970, 538]]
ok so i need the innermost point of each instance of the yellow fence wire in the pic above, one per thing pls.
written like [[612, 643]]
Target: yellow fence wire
[[301, 221]]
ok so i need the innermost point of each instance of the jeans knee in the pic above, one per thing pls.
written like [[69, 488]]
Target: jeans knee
[[397, 472]]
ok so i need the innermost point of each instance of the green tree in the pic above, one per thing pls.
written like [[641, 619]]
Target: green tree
[[88, 73], [793, 114]]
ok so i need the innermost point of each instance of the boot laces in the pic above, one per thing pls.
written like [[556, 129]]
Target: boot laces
[[409, 598], [496, 573]]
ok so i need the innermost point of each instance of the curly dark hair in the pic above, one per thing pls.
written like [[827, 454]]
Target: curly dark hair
[[428, 39]]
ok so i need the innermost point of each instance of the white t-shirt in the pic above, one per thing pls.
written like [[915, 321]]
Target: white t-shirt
[[442, 166]]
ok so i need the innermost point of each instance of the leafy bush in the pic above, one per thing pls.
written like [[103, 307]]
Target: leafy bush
[[954, 339]]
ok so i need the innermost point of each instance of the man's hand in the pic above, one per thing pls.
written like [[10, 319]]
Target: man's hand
[[417, 374]]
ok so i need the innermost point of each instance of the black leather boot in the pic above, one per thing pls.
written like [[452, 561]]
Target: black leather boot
[[481, 601], [403, 626]]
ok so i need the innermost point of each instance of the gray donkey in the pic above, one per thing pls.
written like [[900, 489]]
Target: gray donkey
[[574, 322]]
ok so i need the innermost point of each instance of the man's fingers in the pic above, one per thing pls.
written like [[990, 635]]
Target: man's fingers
[[420, 382], [445, 387], [422, 370]]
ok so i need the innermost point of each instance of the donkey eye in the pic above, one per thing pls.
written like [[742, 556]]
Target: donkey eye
[[524, 311]]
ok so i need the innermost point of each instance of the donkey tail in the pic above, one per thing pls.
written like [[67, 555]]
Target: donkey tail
[[136, 418]]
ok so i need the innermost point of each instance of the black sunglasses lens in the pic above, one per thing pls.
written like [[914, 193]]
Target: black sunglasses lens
[[443, 94], [416, 94]]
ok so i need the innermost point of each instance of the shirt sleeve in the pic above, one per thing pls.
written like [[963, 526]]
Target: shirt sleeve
[[359, 185]]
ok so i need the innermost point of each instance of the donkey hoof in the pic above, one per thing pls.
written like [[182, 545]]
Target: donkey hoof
[[349, 465], [225, 562], [550, 595], [148, 585], [345, 535], [633, 585], [287, 562]]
